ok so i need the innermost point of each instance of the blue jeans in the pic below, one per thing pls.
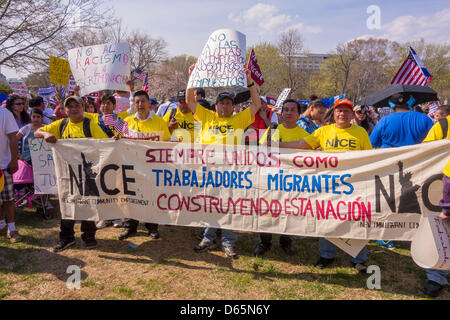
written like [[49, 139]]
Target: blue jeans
[[229, 237], [439, 276], [328, 251]]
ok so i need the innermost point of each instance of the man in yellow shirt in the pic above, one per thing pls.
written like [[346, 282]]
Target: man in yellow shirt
[[289, 130], [223, 127], [181, 121], [340, 136], [76, 126], [143, 125], [437, 279]]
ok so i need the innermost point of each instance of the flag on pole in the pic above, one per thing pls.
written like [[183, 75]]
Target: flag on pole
[[254, 69], [138, 74], [412, 71], [145, 86]]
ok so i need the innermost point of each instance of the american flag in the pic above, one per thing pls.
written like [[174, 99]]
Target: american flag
[[145, 86], [412, 71], [112, 120], [138, 74]]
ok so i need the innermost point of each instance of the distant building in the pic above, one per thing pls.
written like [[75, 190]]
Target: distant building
[[310, 61]]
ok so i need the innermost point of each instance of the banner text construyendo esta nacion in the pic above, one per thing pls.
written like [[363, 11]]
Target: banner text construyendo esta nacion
[[372, 194]]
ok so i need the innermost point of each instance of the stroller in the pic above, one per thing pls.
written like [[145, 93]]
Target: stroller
[[24, 191]]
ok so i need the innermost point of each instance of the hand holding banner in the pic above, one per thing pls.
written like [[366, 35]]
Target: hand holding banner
[[221, 62], [254, 69], [101, 67]]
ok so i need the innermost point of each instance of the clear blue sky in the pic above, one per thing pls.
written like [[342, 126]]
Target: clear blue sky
[[186, 24]]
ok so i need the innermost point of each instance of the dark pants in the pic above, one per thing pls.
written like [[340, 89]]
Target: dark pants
[[266, 240], [67, 233], [133, 225]]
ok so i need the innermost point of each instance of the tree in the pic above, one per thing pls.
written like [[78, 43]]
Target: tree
[[145, 50], [170, 77], [272, 67], [33, 30], [290, 46]]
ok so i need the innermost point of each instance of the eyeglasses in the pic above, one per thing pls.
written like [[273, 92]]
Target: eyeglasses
[[19, 104]]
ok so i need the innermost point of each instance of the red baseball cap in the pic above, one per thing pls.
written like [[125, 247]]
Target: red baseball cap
[[344, 102]]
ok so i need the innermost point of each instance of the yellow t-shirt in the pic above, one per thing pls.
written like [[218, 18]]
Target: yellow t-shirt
[[217, 130], [437, 134], [330, 138], [282, 134], [186, 123], [153, 128], [74, 130]]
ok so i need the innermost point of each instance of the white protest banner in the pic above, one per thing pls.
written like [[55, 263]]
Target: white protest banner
[[221, 63], [350, 246], [18, 87], [283, 96], [43, 167], [371, 194], [46, 92], [101, 67], [430, 247]]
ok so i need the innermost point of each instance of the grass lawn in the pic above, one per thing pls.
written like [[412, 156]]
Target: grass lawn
[[168, 268]]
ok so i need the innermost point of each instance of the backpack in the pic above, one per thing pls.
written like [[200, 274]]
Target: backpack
[[444, 126], [172, 114], [86, 127]]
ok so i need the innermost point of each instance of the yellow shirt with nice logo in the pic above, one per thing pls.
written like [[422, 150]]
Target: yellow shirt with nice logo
[[436, 133], [186, 124], [153, 128], [283, 134], [331, 138], [217, 130], [74, 130]]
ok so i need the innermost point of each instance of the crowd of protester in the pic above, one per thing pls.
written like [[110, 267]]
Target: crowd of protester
[[295, 125]]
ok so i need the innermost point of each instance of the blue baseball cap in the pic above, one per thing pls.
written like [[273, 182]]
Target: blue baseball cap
[[153, 101]]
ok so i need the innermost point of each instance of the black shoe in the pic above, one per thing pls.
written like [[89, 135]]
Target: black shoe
[[126, 233], [154, 234], [323, 263], [91, 243], [360, 267], [432, 289], [260, 249], [63, 245], [288, 249], [205, 245]]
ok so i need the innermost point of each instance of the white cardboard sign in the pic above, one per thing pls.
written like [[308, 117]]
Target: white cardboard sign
[[430, 247], [221, 63], [101, 67], [283, 96], [44, 174]]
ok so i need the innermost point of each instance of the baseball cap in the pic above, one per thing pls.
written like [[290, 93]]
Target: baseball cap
[[153, 101], [344, 102], [73, 98], [398, 99], [225, 95], [181, 95]]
